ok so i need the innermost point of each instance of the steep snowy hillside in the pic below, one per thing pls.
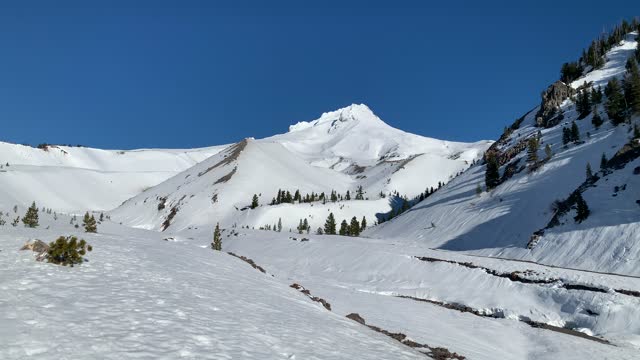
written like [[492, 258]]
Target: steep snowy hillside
[[76, 179], [341, 151], [516, 219]]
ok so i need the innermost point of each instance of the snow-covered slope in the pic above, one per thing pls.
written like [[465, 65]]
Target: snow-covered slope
[[340, 151], [503, 221], [76, 179]]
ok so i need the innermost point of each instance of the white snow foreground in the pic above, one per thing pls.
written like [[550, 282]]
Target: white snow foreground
[[142, 297], [502, 222]]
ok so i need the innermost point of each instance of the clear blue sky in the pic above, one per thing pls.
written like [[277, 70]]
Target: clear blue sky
[[131, 74]]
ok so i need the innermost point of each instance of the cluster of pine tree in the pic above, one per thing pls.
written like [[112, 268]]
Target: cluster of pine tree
[[571, 134], [285, 197], [89, 223], [594, 55], [353, 228], [303, 226], [67, 251]]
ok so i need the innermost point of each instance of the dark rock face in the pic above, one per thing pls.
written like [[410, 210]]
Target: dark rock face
[[555, 94], [356, 317]]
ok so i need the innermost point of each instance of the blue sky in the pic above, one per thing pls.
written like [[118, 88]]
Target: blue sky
[[132, 74]]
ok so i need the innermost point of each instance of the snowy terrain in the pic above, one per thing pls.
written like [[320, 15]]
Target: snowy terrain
[[501, 223]]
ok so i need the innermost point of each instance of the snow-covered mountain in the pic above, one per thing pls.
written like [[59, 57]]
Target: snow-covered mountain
[[514, 219], [77, 179], [340, 151]]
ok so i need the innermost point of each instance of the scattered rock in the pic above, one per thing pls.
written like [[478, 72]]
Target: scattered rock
[[36, 245]]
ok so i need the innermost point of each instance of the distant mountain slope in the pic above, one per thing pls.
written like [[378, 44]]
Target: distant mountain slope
[[341, 151], [503, 221], [76, 179]]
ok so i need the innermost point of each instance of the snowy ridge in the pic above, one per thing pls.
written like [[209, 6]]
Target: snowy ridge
[[502, 222]]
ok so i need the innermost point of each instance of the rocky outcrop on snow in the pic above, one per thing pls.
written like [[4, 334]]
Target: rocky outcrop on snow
[[552, 98]]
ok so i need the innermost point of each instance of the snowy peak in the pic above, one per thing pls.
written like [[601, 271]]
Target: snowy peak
[[355, 113]]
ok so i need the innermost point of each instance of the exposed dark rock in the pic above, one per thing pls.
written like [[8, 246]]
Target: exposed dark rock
[[356, 317], [552, 97]]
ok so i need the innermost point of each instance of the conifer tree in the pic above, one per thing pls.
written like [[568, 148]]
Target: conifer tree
[[596, 95], [636, 131], [279, 224], [354, 227], [532, 150], [30, 219], [492, 173], [359, 193], [603, 161], [566, 136], [89, 223], [254, 201], [589, 172], [632, 86], [583, 104], [101, 217], [363, 224], [575, 132], [581, 208], [217, 238], [547, 151], [478, 189], [344, 228], [616, 104], [596, 120], [330, 225], [319, 231], [305, 226], [347, 196]]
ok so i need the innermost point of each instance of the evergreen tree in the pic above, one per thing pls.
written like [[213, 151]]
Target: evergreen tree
[[101, 217], [532, 150], [636, 131], [330, 225], [632, 87], [492, 173], [89, 223], [570, 71], [596, 95], [583, 104], [363, 224], [616, 104], [305, 226], [547, 151], [319, 231], [254, 201], [575, 132], [589, 172], [566, 136], [300, 227], [478, 189], [296, 196], [354, 227], [348, 196], [344, 228], [603, 161], [30, 219], [596, 120], [334, 196], [217, 238], [581, 208], [359, 193], [279, 224]]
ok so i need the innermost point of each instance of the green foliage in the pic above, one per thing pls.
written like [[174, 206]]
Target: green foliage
[[570, 71], [616, 104], [583, 104], [363, 224], [254, 201], [354, 227], [344, 228], [589, 171], [547, 151], [30, 219], [217, 238], [632, 87], [89, 223], [596, 95], [67, 251], [603, 161], [581, 208], [478, 189], [492, 173], [575, 132], [532, 150], [596, 120], [330, 225]]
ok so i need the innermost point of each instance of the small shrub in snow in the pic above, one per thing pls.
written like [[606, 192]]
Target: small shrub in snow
[[30, 219], [67, 251]]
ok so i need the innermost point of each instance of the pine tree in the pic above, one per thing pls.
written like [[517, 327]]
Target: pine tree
[[344, 228], [532, 150], [616, 104], [305, 226], [359, 193], [492, 173], [254, 201], [319, 231], [300, 227], [330, 225], [547, 151], [636, 131], [279, 224], [596, 95], [478, 189], [30, 219], [566, 136], [603, 161], [581, 208], [217, 238], [101, 217], [89, 223], [348, 196], [583, 104], [575, 132], [589, 172], [596, 120], [354, 227], [632, 86], [363, 224]]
